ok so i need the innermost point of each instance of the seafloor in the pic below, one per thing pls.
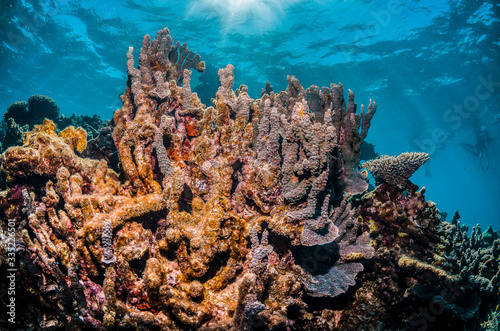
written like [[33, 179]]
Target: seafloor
[[245, 215]]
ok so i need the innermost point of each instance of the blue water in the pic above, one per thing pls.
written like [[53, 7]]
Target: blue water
[[432, 66]]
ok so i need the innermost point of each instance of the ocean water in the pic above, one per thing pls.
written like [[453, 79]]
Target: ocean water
[[432, 67]]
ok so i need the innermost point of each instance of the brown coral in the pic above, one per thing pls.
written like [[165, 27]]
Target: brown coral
[[241, 215]]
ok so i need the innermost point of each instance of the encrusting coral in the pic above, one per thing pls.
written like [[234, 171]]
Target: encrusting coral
[[241, 215], [20, 116]]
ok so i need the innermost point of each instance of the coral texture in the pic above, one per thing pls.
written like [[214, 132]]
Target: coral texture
[[41, 107], [242, 215], [396, 170], [21, 116]]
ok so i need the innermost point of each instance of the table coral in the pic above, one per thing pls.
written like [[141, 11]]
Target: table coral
[[396, 170], [246, 214]]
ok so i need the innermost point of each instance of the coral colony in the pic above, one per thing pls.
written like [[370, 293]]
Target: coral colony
[[248, 214]]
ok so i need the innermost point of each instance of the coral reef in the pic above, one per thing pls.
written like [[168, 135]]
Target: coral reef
[[91, 124], [20, 116], [243, 215], [44, 152], [41, 107], [12, 134]]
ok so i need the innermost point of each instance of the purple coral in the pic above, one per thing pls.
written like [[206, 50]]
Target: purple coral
[[108, 255], [350, 249]]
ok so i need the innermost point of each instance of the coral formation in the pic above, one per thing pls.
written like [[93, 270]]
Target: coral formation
[[247, 214], [44, 152], [41, 107], [20, 116], [396, 170], [17, 111], [12, 134], [32, 112]]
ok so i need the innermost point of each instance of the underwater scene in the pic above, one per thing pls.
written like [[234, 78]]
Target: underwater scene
[[249, 165]]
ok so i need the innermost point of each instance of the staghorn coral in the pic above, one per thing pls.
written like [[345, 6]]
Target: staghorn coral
[[396, 170], [475, 258], [241, 215]]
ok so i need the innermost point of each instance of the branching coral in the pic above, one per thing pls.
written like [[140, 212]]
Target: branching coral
[[439, 265], [13, 134], [476, 258], [175, 232]]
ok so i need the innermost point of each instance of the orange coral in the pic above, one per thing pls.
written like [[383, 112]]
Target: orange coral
[[76, 138], [43, 152]]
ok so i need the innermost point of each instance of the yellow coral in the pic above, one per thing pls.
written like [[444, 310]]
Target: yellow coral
[[76, 138], [409, 262]]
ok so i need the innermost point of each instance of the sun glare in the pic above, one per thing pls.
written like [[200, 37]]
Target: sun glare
[[243, 16]]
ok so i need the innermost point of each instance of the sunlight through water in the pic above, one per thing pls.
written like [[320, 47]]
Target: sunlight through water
[[244, 16]]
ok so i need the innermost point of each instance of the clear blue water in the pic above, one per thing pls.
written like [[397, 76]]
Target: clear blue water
[[426, 63]]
